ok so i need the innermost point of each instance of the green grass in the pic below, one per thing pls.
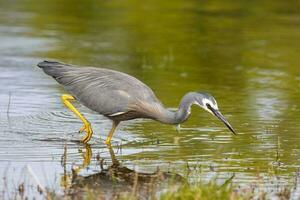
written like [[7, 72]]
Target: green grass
[[208, 191], [172, 191], [200, 191]]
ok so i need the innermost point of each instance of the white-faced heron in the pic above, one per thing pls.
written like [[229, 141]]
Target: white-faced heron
[[120, 97]]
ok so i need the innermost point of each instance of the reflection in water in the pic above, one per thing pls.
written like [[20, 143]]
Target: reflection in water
[[218, 46], [86, 155], [113, 179]]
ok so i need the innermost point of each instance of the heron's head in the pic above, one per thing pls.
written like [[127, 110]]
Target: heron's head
[[208, 103]]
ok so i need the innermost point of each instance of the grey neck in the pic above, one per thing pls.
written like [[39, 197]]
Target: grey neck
[[169, 117]]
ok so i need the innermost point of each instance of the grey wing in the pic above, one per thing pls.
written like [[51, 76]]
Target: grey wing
[[105, 91]]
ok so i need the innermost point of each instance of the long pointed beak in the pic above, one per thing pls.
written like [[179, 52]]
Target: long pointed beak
[[219, 115]]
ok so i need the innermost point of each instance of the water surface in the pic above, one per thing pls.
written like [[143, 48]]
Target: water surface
[[246, 54]]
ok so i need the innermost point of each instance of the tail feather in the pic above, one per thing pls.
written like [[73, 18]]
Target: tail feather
[[53, 68]]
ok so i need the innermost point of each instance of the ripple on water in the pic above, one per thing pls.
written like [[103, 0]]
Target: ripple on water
[[56, 126]]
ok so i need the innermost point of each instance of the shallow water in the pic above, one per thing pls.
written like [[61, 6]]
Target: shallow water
[[244, 53]]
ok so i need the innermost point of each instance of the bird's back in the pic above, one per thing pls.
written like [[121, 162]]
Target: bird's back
[[105, 91]]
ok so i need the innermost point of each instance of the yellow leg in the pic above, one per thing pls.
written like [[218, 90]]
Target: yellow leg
[[111, 132], [87, 126], [112, 155]]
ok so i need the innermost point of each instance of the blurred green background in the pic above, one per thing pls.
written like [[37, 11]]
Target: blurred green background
[[245, 53]]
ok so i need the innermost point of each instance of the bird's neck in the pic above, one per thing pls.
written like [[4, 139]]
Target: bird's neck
[[184, 110]]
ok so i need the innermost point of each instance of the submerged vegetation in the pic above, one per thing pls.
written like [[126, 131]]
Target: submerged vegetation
[[244, 53], [207, 191]]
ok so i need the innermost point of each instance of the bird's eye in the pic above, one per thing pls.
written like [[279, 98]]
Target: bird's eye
[[208, 105]]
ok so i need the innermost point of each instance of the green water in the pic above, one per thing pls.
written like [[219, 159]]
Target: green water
[[245, 53]]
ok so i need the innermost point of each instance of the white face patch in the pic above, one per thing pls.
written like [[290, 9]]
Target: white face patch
[[205, 101], [214, 105]]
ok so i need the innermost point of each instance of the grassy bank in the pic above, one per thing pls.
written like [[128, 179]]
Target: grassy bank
[[185, 191], [207, 191]]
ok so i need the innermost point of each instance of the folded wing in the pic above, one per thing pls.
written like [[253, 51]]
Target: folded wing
[[102, 90]]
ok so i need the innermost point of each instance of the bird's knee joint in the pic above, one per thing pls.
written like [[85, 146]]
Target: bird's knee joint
[[87, 124], [66, 97]]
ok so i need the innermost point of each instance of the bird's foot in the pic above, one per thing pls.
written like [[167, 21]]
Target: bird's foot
[[89, 133]]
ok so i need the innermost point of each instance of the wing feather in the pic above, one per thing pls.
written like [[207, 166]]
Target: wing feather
[[105, 91]]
